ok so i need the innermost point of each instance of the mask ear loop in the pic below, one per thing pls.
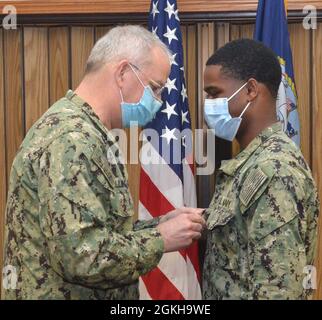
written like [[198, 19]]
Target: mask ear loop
[[137, 75], [236, 92], [148, 86], [248, 104], [138, 79], [121, 96]]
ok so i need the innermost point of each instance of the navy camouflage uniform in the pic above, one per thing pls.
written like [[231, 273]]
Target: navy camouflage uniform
[[262, 223], [69, 219]]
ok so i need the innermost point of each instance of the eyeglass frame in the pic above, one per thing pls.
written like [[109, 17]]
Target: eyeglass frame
[[157, 85]]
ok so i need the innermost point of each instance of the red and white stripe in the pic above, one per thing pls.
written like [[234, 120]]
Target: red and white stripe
[[177, 276]]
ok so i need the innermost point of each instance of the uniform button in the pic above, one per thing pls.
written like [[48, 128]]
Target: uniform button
[[232, 237]]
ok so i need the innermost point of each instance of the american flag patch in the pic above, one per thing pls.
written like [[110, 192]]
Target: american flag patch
[[251, 185]]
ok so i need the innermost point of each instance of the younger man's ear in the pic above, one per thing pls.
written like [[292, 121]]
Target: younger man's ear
[[252, 89]]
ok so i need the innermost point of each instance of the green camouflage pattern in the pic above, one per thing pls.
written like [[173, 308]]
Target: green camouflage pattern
[[69, 219], [262, 223]]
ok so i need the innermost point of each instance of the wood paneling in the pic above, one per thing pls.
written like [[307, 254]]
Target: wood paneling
[[134, 169], [223, 34], [3, 179], [36, 78], [191, 73], [100, 32], [14, 108], [82, 41], [317, 138], [124, 6], [301, 51], [184, 45], [247, 31], [206, 47], [11, 113], [59, 64]]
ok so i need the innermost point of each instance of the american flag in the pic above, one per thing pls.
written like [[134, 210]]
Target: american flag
[[169, 184]]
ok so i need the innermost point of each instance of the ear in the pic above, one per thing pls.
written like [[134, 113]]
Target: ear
[[252, 89], [120, 69]]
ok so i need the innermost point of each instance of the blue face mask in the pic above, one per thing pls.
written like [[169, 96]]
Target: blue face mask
[[219, 119], [142, 112]]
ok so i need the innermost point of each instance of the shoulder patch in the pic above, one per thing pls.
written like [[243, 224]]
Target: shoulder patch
[[104, 166], [111, 172], [252, 183]]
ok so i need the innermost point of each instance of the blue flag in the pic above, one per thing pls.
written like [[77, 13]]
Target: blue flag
[[271, 29]]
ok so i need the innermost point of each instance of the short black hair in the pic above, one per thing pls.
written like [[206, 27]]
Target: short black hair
[[245, 58]]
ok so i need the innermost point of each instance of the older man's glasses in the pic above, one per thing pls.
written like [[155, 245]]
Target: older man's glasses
[[155, 86]]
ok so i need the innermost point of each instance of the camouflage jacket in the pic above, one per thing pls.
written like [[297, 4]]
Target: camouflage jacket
[[262, 223], [69, 230]]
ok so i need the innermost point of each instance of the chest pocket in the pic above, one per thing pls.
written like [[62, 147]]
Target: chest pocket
[[222, 232], [220, 211], [115, 185]]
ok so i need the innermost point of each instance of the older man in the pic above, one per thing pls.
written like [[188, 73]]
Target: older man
[[69, 229]]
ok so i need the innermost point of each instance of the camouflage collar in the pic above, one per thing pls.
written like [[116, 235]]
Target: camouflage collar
[[84, 106], [231, 166]]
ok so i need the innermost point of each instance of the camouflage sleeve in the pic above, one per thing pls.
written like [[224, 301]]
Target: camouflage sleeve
[[313, 211], [88, 242], [277, 217], [143, 224]]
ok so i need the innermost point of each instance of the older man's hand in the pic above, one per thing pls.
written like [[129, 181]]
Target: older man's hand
[[184, 210], [182, 227]]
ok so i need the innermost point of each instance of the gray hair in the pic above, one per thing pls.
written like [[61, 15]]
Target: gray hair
[[133, 43]]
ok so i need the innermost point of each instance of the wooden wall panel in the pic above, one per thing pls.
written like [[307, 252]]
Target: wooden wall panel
[[317, 139], [134, 176], [223, 34], [14, 104], [234, 31], [12, 115], [3, 179], [247, 31], [36, 74], [101, 31], [301, 51], [206, 47], [184, 45], [125, 6], [82, 41], [192, 73], [133, 170], [59, 63]]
